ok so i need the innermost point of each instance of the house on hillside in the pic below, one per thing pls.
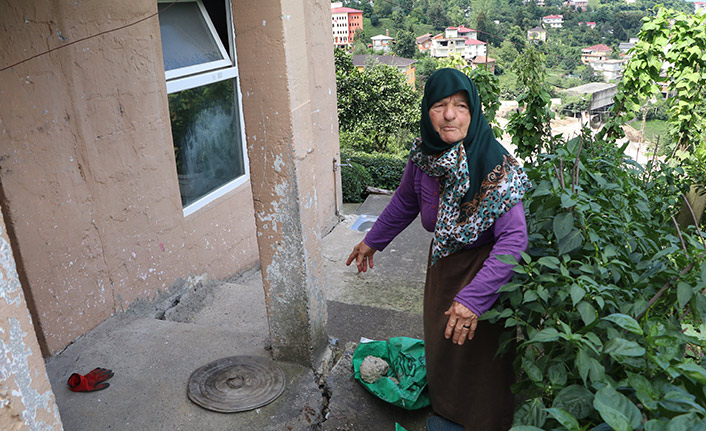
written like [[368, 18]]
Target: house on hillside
[[612, 70], [483, 61], [344, 23], [382, 42], [700, 7], [553, 21], [423, 42], [595, 53], [459, 41], [624, 47], [600, 97], [577, 4], [461, 31], [537, 34], [406, 66], [590, 24], [143, 148]]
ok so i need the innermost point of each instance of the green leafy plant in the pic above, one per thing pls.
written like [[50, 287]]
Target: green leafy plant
[[598, 298], [678, 40], [375, 102], [385, 169], [354, 179], [529, 127]]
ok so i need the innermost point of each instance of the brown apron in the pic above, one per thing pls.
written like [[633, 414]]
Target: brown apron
[[468, 384]]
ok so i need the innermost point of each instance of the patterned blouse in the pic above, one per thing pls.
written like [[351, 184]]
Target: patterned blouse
[[418, 193]]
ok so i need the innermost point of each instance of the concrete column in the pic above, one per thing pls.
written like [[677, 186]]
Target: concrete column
[[286, 63], [26, 399]]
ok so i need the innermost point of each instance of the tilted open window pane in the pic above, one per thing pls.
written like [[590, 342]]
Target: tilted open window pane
[[190, 43], [207, 142]]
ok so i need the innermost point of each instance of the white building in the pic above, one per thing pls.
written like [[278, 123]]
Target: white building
[[344, 23], [553, 21], [339, 25], [459, 41], [382, 42], [612, 70]]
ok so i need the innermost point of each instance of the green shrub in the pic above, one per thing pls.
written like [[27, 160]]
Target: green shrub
[[598, 299], [385, 169], [354, 179]]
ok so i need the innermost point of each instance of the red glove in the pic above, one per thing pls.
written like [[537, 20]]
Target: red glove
[[91, 381]]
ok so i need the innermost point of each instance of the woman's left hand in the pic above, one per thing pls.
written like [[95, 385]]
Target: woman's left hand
[[461, 324]]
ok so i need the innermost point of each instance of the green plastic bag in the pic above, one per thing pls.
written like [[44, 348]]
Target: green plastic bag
[[407, 364]]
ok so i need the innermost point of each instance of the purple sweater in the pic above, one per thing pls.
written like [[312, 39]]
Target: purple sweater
[[419, 193]]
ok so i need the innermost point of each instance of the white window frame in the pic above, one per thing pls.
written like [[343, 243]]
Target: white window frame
[[185, 78]]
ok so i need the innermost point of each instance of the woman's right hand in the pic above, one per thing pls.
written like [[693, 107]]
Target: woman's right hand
[[363, 255]]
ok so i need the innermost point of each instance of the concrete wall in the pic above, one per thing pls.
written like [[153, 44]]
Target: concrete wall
[[87, 169], [26, 399], [289, 101]]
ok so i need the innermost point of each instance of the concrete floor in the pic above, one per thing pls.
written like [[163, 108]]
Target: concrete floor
[[154, 348]]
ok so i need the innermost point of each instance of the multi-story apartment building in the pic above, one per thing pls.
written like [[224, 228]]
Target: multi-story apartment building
[[460, 41], [595, 53], [612, 70], [344, 23]]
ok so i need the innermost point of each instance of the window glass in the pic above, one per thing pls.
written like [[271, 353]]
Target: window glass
[[204, 101], [186, 38], [206, 138]]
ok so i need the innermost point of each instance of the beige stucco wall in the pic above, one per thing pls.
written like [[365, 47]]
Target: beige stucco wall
[[289, 101], [26, 399], [87, 168]]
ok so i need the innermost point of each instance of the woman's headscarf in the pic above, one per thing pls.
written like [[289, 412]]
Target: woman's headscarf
[[479, 179]]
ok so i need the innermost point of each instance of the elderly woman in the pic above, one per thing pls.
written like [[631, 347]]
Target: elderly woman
[[469, 191]]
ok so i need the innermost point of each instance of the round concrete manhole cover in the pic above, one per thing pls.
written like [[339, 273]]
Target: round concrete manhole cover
[[236, 384]]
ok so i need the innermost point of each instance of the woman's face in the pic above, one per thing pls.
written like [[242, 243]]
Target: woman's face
[[451, 117]]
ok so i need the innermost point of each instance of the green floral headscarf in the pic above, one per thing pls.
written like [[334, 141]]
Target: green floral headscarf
[[479, 180]]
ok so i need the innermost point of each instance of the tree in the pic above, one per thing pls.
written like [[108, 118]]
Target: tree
[[482, 24], [530, 128], [587, 74], [437, 15], [382, 8], [506, 54], [517, 37], [375, 104], [398, 20], [406, 45], [425, 67]]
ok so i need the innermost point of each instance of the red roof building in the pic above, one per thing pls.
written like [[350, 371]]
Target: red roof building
[[344, 23], [554, 21], [594, 53]]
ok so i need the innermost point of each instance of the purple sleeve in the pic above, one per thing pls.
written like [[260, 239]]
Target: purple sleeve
[[397, 215], [510, 232]]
